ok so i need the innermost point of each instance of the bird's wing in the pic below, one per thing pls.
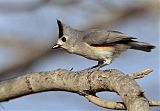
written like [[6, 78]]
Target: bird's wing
[[104, 38]]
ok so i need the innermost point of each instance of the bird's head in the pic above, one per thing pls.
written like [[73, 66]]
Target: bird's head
[[67, 37]]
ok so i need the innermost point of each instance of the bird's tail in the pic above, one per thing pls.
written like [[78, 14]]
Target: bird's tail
[[141, 46]]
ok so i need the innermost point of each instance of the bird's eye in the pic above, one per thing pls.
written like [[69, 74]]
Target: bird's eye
[[63, 39]]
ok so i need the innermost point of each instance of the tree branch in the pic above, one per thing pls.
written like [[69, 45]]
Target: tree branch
[[104, 103], [141, 74], [86, 83], [113, 105]]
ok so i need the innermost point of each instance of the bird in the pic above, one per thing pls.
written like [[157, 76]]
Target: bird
[[100, 45]]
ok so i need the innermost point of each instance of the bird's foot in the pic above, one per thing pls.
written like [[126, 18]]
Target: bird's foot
[[92, 69]]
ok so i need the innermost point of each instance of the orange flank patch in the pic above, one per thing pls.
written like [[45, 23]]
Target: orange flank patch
[[102, 48]]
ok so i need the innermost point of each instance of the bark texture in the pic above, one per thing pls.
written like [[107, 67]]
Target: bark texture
[[86, 83]]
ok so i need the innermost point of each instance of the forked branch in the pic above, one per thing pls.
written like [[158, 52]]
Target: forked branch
[[86, 83]]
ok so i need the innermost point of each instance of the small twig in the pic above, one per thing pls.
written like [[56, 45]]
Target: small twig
[[104, 103], [71, 69], [141, 74], [113, 105], [154, 103]]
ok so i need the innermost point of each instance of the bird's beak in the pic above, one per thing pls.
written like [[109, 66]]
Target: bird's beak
[[56, 46]]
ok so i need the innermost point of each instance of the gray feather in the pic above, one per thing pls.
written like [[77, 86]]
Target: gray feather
[[103, 37], [115, 38], [141, 46]]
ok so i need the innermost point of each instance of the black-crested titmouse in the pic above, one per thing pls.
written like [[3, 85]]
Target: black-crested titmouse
[[97, 44]]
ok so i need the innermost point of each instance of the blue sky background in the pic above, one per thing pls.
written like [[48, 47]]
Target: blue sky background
[[39, 27]]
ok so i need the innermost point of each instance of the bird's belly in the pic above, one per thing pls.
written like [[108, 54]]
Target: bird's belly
[[98, 53], [103, 52]]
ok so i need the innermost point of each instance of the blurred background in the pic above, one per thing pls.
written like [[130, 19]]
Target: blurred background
[[28, 30]]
